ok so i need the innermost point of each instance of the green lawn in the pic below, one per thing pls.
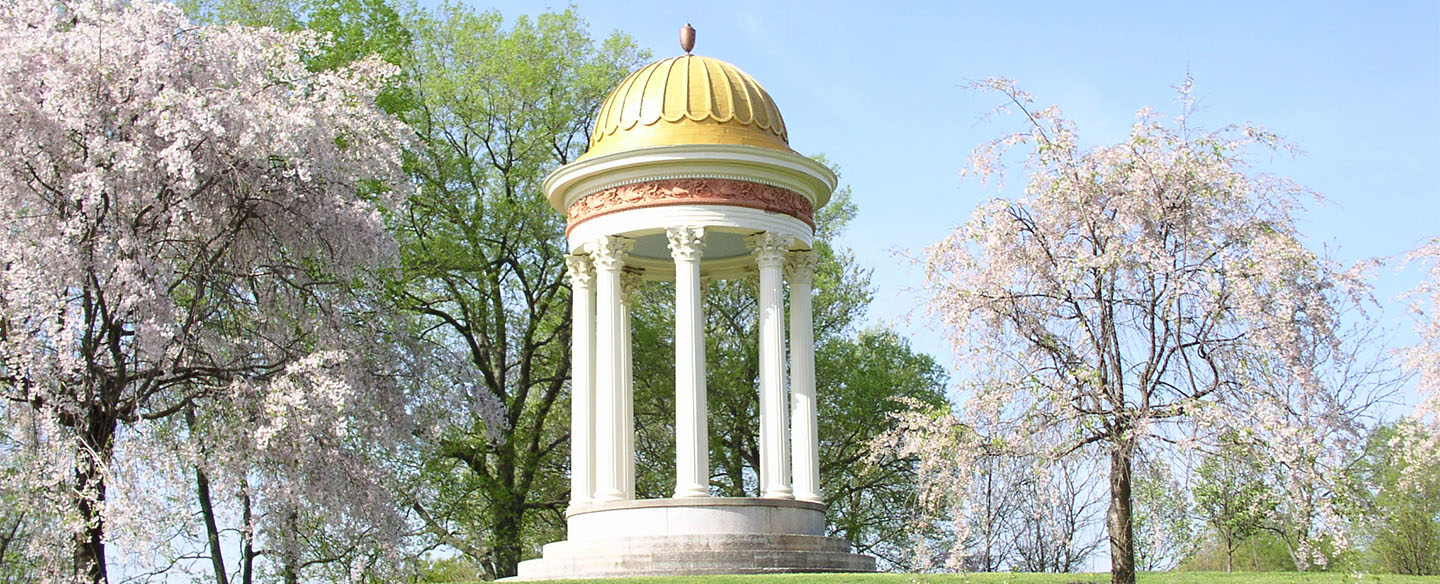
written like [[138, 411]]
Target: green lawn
[[1146, 578]]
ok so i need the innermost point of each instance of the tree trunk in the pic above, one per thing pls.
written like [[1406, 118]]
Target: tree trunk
[[509, 525], [290, 552], [247, 535], [1229, 555], [1118, 520], [207, 511], [10, 536], [212, 533], [97, 443]]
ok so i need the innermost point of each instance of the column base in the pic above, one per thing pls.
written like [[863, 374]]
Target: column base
[[809, 497], [779, 494], [691, 492], [715, 535]]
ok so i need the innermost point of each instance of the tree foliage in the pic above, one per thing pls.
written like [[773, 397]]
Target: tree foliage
[[189, 211], [1231, 497], [1164, 534], [1422, 437], [1404, 530], [863, 383], [497, 107], [1151, 294], [213, 349], [859, 375]]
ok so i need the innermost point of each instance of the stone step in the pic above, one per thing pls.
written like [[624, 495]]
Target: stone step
[[685, 543], [693, 562], [726, 562]]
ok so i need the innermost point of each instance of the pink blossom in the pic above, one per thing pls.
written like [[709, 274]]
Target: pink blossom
[[184, 210], [1150, 295]]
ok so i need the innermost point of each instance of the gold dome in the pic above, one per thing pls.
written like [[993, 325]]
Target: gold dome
[[687, 100]]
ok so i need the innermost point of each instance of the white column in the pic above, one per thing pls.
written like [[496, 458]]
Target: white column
[[629, 281], [769, 250], [608, 255], [804, 436], [692, 448], [582, 379]]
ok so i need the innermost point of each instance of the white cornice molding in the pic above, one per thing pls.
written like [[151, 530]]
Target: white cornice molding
[[780, 168], [634, 223]]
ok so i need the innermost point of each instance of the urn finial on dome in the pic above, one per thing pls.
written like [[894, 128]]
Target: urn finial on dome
[[687, 38]]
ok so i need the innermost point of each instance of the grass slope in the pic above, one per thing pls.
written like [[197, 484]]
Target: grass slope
[[1005, 578]]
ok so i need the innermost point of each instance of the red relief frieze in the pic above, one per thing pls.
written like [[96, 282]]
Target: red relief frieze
[[691, 191]]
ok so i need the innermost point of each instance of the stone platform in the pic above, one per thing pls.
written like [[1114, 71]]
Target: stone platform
[[702, 535]]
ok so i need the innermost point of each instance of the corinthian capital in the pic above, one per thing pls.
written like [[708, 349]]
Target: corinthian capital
[[629, 281], [582, 272], [609, 252], [800, 266], [686, 243], [769, 248]]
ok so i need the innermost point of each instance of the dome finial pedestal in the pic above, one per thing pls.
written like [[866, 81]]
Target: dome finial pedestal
[[687, 38]]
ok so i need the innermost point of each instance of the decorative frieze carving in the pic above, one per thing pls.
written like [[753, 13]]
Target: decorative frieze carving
[[691, 191]]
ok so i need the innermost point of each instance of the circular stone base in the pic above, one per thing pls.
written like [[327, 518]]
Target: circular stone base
[[702, 535]]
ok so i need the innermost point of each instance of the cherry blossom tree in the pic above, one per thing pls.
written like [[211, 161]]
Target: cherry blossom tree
[[1151, 294], [187, 213], [1421, 439]]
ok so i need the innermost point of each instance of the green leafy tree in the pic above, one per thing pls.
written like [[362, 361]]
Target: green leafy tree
[[1262, 552], [863, 383], [859, 376], [356, 28], [15, 534], [494, 106], [1405, 532], [1232, 499], [498, 106], [1163, 533]]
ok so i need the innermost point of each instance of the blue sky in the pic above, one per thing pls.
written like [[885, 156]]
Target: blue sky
[[878, 88]]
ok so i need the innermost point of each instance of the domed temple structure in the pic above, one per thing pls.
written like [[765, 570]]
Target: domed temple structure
[[690, 175]]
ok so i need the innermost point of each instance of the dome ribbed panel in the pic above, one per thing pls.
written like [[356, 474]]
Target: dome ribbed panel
[[702, 92], [766, 114], [687, 100], [746, 108], [609, 116], [723, 89], [677, 90], [651, 104]]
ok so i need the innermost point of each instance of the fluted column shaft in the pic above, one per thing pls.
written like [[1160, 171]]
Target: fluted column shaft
[[629, 282], [804, 434], [692, 448], [769, 250], [608, 255], [582, 379]]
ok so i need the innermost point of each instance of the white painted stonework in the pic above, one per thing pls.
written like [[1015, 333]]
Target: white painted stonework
[[736, 212], [783, 169], [688, 536]]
